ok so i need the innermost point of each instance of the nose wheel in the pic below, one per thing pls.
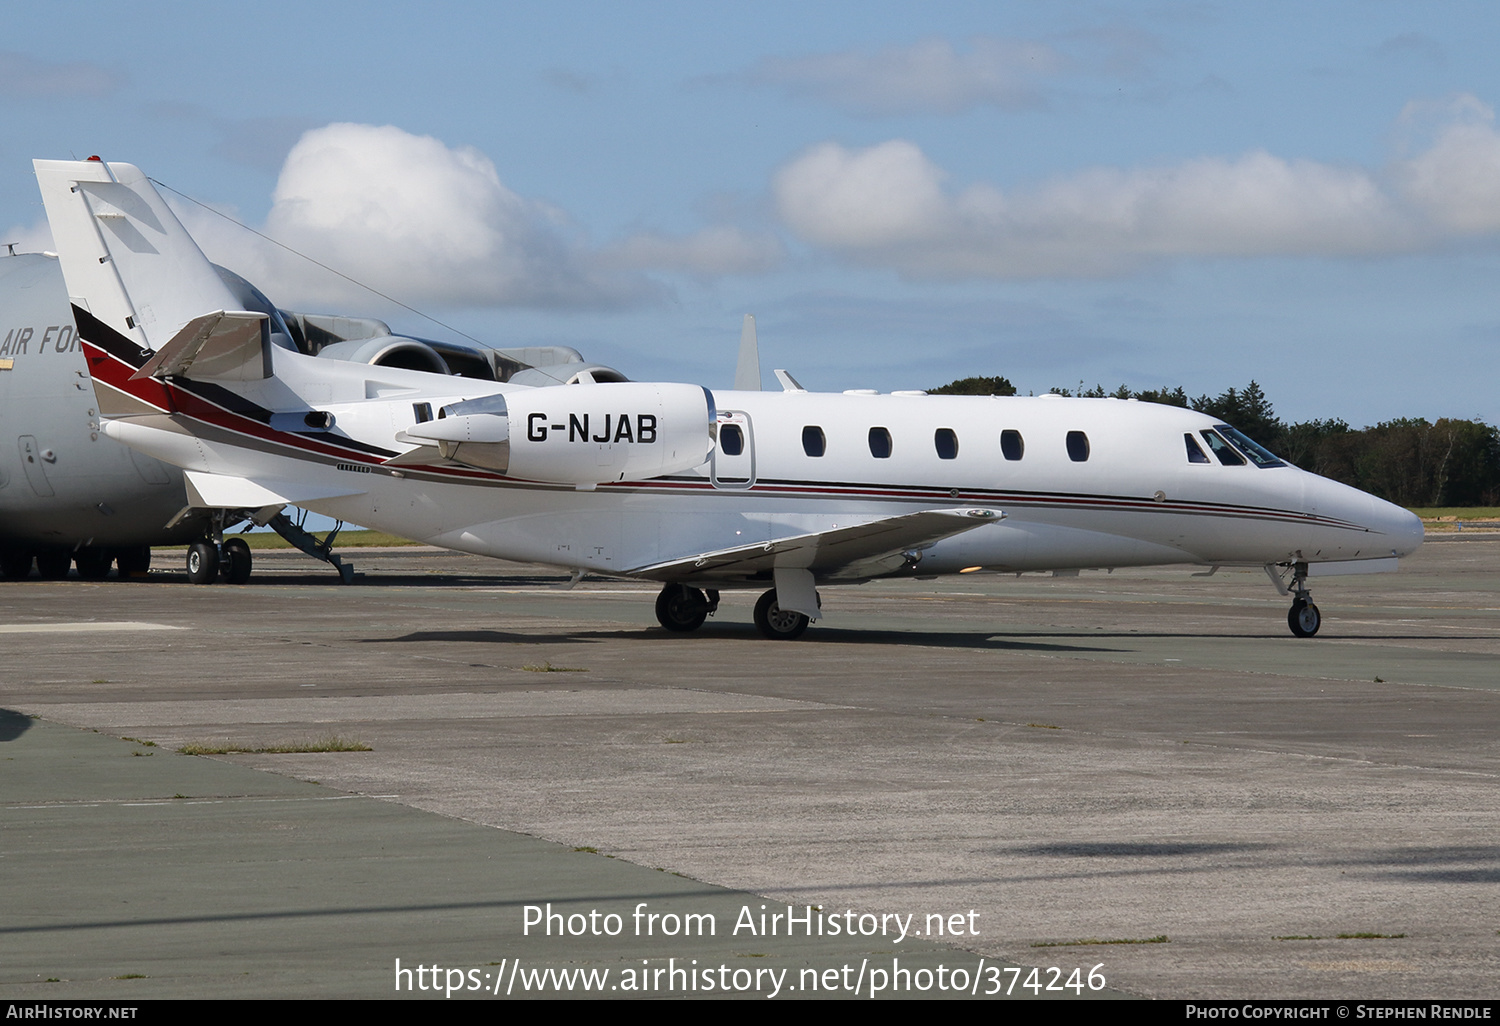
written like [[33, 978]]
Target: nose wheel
[[1303, 618]]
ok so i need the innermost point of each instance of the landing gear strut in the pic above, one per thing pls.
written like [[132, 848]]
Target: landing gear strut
[[682, 608], [1303, 618]]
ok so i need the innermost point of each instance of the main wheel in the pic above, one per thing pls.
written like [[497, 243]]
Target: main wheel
[[776, 623], [680, 608], [134, 562], [203, 563], [93, 564], [53, 564], [236, 563], [15, 563], [1304, 619]]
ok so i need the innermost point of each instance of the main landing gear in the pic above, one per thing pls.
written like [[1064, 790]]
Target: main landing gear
[[1303, 618], [228, 561], [681, 608]]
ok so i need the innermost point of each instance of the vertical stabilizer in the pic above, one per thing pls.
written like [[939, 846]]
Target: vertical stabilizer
[[126, 258], [747, 372]]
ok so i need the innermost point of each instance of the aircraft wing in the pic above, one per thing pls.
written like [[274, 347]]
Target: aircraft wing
[[865, 549]]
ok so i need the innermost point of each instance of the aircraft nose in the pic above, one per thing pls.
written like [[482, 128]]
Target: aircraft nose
[[1402, 526]]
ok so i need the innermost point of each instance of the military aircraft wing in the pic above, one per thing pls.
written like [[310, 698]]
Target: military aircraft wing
[[827, 553]]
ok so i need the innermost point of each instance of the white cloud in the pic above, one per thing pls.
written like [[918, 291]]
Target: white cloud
[[36, 239], [929, 76], [410, 216], [889, 205]]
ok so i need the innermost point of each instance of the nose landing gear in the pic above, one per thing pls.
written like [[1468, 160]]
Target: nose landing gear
[[1303, 618]]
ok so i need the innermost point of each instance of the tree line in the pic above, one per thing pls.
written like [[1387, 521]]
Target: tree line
[[1409, 461]]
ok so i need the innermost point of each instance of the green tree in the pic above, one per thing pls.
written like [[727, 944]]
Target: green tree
[[976, 386]]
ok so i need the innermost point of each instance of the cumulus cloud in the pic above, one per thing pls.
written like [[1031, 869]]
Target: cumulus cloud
[[36, 239], [890, 205], [412, 217], [928, 76], [28, 77]]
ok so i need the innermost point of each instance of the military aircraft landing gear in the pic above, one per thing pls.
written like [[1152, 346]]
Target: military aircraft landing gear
[[133, 562], [682, 608], [53, 564], [93, 563], [234, 561], [1303, 618], [203, 562], [776, 623]]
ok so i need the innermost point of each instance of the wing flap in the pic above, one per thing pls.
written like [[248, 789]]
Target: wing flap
[[825, 553], [223, 491]]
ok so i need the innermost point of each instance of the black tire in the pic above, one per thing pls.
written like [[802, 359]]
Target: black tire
[[203, 563], [776, 623], [1304, 619], [235, 565], [134, 562], [93, 564], [15, 563], [681, 609], [53, 564]]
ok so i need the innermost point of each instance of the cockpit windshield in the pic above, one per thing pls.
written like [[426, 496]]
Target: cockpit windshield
[[1257, 453]]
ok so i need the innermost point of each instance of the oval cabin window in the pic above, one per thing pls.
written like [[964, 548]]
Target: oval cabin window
[[946, 443], [880, 443], [1078, 446], [731, 440], [1012, 445], [813, 442]]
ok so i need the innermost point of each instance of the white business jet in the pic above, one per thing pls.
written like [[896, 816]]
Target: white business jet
[[669, 482]]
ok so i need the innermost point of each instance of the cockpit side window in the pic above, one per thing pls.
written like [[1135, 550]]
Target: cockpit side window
[[1223, 450], [1258, 454], [1195, 451]]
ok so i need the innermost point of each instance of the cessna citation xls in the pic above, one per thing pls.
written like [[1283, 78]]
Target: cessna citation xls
[[667, 482]]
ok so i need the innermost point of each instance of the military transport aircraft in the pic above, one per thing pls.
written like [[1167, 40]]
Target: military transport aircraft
[[70, 494], [667, 482]]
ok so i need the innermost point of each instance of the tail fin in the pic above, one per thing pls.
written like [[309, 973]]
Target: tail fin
[[138, 282]]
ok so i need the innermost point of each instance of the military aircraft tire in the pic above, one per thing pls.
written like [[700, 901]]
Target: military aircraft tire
[[681, 609], [202, 563], [1304, 619], [776, 623], [235, 565], [53, 564], [15, 563], [133, 562], [93, 563]]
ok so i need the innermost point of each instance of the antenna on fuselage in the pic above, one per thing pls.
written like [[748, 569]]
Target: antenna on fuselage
[[747, 372]]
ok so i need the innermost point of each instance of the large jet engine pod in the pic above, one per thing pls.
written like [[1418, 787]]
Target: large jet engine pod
[[580, 435]]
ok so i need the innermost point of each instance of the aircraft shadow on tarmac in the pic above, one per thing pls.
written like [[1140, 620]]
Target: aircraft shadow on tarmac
[[946, 639], [13, 724]]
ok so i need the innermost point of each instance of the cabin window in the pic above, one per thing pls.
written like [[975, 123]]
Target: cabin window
[[423, 412], [1259, 454], [813, 442], [731, 440], [946, 443], [880, 443], [1194, 450], [1222, 449], [1078, 446], [1012, 445]]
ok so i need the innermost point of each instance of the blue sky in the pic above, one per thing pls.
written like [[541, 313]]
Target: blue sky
[[1158, 193]]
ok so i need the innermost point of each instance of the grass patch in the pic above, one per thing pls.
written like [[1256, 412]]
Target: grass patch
[[1457, 512], [143, 744], [347, 539], [328, 743], [1090, 941], [547, 667]]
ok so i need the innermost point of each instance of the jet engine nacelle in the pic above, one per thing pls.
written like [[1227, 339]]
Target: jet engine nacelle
[[578, 434]]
